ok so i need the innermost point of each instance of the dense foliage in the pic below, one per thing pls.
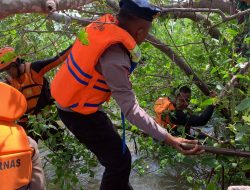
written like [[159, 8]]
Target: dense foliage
[[215, 61]]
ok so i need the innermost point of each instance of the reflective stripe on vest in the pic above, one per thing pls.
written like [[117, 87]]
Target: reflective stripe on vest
[[81, 80], [30, 89], [77, 85]]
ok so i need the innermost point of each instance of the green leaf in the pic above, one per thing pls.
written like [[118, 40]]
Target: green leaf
[[10, 40], [194, 101], [231, 31], [246, 118], [211, 186], [19, 45], [239, 136], [133, 128], [189, 179], [213, 70], [243, 105], [247, 40], [232, 128], [246, 167], [209, 161], [8, 57], [83, 37], [207, 102], [50, 26]]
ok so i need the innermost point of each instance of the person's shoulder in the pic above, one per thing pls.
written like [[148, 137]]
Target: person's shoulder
[[32, 142], [117, 49], [163, 99]]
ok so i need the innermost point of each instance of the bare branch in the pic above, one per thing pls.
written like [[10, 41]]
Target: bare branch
[[208, 10], [215, 150], [10, 7], [170, 10], [62, 18], [238, 15], [238, 187], [226, 6]]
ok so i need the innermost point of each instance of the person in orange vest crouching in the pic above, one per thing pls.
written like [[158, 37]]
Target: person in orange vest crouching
[[94, 72], [29, 79], [172, 113], [20, 165]]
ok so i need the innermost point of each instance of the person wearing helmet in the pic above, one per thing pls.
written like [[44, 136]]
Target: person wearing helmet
[[20, 164], [29, 79]]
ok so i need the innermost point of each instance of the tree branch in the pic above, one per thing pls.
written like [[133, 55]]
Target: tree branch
[[207, 10], [11, 7], [171, 10], [224, 5], [178, 61], [62, 18], [224, 151], [172, 55], [155, 42], [196, 17]]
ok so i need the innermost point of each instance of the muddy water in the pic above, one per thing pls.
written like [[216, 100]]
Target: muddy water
[[169, 180], [151, 181]]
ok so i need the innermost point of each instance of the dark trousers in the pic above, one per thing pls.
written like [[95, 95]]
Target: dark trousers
[[97, 132]]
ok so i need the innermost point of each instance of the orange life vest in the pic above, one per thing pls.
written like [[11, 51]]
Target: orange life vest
[[77, 85], [160, 106], [29, 87], [15, 152]]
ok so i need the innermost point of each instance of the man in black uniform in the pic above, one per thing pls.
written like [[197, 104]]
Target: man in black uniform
[[170, 113]]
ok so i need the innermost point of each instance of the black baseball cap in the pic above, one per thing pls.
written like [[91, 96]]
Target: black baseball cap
[[140, 8]]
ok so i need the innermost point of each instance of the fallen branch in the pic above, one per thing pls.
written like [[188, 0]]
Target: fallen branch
[[215, 150]]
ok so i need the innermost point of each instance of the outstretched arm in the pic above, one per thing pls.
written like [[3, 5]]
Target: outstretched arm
[[114, 66], [42, 67], [181, 118]]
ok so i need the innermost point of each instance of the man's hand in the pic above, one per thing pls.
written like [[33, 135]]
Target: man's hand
[[176, 143]]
